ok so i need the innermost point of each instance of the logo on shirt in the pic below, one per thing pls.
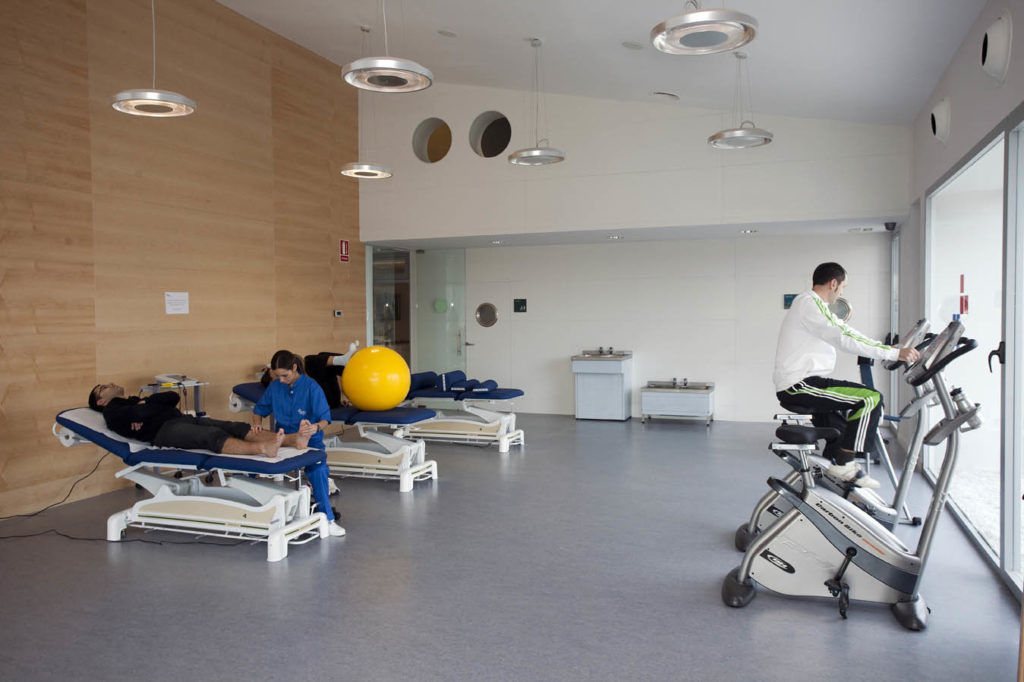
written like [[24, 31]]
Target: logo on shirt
[[302, 412]]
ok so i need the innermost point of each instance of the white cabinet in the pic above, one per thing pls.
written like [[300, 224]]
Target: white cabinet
[[604, 385], [696, 401]]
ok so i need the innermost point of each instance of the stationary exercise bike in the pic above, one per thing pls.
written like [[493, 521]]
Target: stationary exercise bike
[[826, 546], [796, 447]]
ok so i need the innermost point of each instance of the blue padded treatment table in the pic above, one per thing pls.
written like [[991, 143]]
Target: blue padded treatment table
[[253, 391], [314, 462], [455, 386]]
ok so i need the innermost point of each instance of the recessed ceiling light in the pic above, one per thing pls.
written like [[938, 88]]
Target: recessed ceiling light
[[861, 229], [615, 236], [665, 94], [748, 231], [447, 33], [632, 45], [495, 241]]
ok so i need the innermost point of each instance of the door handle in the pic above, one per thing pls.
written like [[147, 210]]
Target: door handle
[[999, 353], [468, 344]]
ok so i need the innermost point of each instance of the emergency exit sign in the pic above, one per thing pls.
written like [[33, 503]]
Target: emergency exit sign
[[343, 251]]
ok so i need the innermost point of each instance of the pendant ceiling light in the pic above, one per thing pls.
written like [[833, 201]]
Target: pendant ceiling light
[[387, 74], [538, 155], [704, 31], [359, 169], [745, 135], [366, 171], [153, 102]]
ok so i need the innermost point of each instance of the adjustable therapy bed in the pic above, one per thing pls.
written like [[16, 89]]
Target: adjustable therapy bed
[[240, 507], [470, 424], [379, 456]]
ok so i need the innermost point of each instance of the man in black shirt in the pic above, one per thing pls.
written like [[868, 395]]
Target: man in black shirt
[[157, 420]]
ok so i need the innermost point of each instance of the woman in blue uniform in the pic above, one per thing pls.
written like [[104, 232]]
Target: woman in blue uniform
[[296, 401]]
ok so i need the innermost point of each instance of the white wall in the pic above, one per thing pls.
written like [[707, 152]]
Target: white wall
[[708, 310], [978, 102], [629, 165], [978, 105]]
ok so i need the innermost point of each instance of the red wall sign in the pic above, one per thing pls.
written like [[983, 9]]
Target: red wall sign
[[343, 251], [963, 297]]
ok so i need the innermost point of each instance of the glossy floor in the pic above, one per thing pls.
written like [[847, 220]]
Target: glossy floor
[[595, 553]]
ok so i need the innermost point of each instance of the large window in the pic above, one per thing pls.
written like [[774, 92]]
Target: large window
[[973, 261]]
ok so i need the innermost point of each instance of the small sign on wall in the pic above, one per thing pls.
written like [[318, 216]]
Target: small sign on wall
[[343, 251], [519, 305], [787, 300], [176, 302]]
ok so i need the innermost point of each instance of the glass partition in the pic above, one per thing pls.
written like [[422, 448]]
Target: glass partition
[[390, 300]]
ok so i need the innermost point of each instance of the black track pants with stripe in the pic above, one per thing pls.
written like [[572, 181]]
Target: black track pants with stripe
[[861, 405]]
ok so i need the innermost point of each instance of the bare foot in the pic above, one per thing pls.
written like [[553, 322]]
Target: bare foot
[[269, 448], [301, 442]]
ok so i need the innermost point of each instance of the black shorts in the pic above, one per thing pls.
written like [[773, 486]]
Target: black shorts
[[199, 433]]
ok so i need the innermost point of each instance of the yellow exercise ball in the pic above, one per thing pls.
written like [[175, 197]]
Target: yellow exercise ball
[[376, 378]]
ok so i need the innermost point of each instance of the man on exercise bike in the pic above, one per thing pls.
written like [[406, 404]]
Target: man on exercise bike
[[806, 355]]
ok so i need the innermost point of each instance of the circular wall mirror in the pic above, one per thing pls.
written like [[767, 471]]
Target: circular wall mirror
[[841, 309], [486, 314]]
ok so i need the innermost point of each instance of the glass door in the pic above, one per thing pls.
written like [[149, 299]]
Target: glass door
[[390, 300], [440, 341], [965, 279]]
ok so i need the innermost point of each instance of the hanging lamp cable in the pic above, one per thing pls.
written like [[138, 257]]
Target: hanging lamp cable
[[152, 10]]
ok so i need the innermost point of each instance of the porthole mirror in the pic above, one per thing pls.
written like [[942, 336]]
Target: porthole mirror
[[486, 314], [841, 309], [431, 140], [490, 134]]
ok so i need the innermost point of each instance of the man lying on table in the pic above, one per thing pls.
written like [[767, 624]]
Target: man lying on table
[[157, 420]]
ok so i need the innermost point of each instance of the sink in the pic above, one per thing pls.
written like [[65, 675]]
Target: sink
[[679, 386], [606, 354]]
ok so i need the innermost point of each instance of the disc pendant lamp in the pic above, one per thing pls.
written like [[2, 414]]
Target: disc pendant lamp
[[360, 169], [387, 74], [540, 154], [745, 135], [704, 31], [152, 102]]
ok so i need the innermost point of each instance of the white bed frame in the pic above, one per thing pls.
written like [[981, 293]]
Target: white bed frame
[[471, 424], [242, 507], [386, 456]]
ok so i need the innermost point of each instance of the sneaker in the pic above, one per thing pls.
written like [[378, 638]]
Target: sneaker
[[851, 473]]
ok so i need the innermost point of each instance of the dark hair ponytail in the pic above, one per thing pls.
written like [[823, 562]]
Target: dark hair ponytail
[[285, 359]]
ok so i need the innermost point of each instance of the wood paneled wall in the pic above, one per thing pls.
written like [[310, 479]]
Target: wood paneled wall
[[241, 205]]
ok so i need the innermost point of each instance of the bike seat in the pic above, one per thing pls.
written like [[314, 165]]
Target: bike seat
[[795, 434]]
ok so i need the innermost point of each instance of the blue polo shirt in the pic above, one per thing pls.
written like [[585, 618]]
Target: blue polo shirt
[[291, 404]]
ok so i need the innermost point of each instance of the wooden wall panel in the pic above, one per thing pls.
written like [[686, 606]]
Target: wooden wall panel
[[310, 194], [47, 341], [241, 205]]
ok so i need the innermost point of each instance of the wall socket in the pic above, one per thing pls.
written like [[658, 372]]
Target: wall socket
[[337, 312]]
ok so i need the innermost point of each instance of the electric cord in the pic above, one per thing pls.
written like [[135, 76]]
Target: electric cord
[[71, 490], [54, 531]]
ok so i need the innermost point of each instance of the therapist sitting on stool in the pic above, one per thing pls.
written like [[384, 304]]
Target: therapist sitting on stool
[[806, 355]]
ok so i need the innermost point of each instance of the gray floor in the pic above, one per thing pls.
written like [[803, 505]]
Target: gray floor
[[595, 553]]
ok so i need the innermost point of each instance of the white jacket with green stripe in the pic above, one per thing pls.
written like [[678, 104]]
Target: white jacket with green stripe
[[808, 340]]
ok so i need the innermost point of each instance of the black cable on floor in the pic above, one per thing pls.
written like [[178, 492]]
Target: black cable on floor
[[54, 531], [35, 513]]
